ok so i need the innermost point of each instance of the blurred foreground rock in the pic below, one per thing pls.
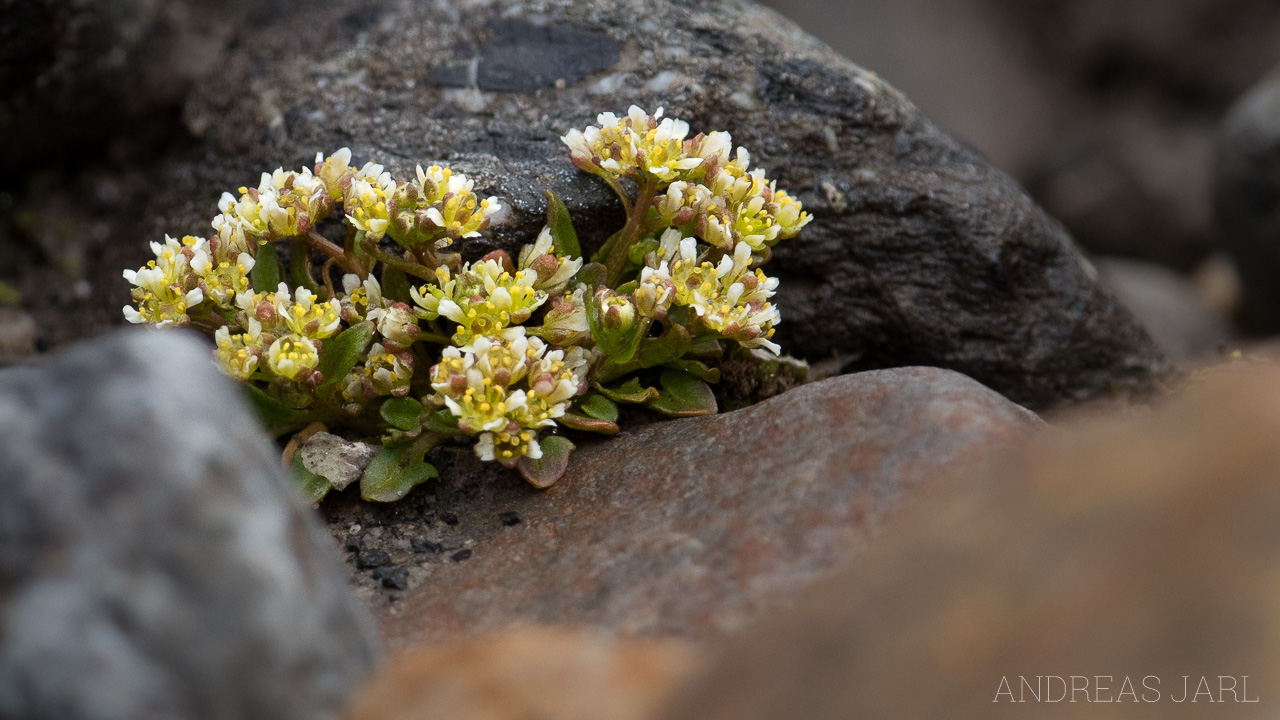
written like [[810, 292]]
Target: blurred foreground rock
[[920, 252], [154, 561], [683, 528], [1135, 548], [528, 673]]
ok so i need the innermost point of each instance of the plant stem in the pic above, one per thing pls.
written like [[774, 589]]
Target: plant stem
[[349, 252], [321, 243], [409, 268], [622, 194], [617, 258], [328, 281]]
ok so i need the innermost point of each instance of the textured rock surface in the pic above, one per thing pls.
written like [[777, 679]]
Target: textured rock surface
[[921, 252], [536, 672], [685, 528], [1124, 548], [1246, 195], [154, 562]]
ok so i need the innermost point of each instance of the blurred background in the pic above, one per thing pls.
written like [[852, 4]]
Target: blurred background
[[1110, 113]]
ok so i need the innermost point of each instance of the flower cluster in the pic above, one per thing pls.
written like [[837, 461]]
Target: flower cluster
[[380, 334], [700, 185], [506, 388]]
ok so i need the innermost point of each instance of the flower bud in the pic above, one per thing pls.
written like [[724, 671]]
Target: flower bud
[[545, 266], [619, 313]]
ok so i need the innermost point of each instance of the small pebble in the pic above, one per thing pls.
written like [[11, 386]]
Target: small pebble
[[394, 578], [424, 546], [372, 558], [460, 555], [509, 518], [353, 543]]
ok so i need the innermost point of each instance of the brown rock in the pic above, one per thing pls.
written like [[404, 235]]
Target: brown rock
[[527, 674], [690, 527], [1144, 550]]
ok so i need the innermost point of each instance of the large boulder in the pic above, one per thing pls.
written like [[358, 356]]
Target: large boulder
[[687, 528], [920, 253], [154, 560], [1124, 569]]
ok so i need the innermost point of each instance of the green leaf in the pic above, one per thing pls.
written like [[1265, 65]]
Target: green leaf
[[706, 346], [593, 275], [395, 285], [299, 260], [599, 407], [314, 487], [265, 274], [278, 417], [697, 369], [630, 391], [673, 343], [582, 422], [402, 413], [636, 252], [563, 236], [683, 395], [341, 353], [442, 422], [545, 471], [393, 472]]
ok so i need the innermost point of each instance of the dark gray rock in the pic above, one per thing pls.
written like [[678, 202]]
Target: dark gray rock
[[154, 560], [75, 76], [689, 527], [1246, 197], [921, 253]]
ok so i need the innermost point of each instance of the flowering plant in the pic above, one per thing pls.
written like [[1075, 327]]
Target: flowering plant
[[395, 337]]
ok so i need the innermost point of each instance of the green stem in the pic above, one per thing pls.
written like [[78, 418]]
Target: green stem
[[409, 268], [425, 443], [616, 261], [438, 339]]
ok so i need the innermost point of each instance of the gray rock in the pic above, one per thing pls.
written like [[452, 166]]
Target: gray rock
[[1246, 196], [688, 528], [154, 560], [921, 253], [339, 461]]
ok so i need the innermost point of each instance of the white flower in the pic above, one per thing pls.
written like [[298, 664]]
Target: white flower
[[293, 357], [306, 317]]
